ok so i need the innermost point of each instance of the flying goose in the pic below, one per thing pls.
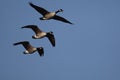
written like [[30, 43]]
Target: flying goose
[[29, 48], [49, 15], [40, 34]]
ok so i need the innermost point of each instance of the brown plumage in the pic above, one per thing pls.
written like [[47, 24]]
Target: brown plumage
[[49, 15], [40, 34], [29, 48]]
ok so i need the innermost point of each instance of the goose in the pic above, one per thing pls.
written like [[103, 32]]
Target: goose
[[40, 34], [29, 48], [49, 15]]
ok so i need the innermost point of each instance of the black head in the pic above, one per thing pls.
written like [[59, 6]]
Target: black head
[[50, 33], [60, 10]]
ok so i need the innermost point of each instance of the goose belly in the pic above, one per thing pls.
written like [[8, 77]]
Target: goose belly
[[31, 50], [49, 15], [41, 35]]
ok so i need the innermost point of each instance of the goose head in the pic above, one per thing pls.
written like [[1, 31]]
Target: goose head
[[39, 48], [49, 33], [60, 10]]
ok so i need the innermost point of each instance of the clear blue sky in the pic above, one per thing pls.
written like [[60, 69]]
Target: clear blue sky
[[88, 50]]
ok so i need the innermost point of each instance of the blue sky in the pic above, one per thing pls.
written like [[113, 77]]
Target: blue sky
[[88, 50]]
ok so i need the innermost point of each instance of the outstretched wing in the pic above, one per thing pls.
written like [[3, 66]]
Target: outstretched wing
[[40, 51], [61, 19], [26, 44], [34, 28], [51, 39], [39, 9]]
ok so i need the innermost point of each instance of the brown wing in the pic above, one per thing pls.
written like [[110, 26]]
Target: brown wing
[[40, 51], [61, 19], [39, 9], [26, 44], [34, 28], [51, 39]]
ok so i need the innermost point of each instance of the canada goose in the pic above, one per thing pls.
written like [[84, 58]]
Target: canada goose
[[29, 48], [49, 15], [40, 34]]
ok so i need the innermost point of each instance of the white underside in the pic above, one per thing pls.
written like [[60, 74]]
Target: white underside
[[49, 15], [29, 52], [26, 52], [41, 35]]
